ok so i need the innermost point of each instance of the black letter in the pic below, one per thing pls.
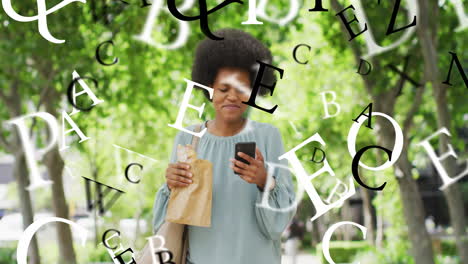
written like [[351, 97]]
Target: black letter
[[169, 260], [203, 17], [318, 6], [104, 241], [100, 196], [390, 29], [460, 69], [360, 65], [98, 57], [294, 53], [355, 165], [347, 23], [403, 75], [313, 156], [258, 83], [369, 117], [144, 3], [70, 92], [128, 168], [121, 261]]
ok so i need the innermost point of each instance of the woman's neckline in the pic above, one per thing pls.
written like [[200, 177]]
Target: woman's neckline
[[244, 128]]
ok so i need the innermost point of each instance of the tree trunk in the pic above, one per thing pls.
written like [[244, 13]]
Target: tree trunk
[[379, 232], [412, 203], [452, 194], [414, 213], [55, 165], [368, 215], [21, 176]]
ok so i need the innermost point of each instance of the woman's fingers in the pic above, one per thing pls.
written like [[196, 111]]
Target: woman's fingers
[[178, 175], [179, 179], [246, 157], [180, 172], [172, 183], [243, 172], [180, 165], [259, 155], [239, 164]]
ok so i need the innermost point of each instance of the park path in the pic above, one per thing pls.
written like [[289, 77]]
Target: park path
[[302, 258]]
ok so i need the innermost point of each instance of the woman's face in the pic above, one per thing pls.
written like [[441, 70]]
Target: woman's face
[[231, 88]]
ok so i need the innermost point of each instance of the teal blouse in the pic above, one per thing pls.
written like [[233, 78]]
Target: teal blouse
[[241, 231]]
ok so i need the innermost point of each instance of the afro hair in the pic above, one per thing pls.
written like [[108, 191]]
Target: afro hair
[[239, 50]]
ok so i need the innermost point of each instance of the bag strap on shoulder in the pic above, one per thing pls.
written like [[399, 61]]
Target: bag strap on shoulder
[[196, 139]]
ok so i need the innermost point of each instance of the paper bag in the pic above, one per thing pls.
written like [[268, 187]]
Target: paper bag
[[191, 205]]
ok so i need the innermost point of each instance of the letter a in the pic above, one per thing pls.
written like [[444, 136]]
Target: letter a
[[75, 128], [369, 117], [72, 95]]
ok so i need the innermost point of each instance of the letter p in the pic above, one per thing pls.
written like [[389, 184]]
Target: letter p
[[29, 150]]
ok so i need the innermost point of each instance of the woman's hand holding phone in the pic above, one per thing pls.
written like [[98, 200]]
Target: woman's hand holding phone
[[178, 175], [254, 172]]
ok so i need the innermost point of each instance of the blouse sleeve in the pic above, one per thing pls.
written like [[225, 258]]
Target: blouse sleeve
[[162, 196], [273, 222]]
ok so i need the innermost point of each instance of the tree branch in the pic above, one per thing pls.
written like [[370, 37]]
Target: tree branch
[[4, 143], [417, 100], [337, 7]]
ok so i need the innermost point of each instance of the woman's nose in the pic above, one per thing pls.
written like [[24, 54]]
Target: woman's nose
[[232, 95]]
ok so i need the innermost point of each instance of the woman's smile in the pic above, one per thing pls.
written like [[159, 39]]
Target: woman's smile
[[231, 107]]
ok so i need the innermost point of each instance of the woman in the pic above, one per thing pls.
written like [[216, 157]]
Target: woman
[[241, 231]]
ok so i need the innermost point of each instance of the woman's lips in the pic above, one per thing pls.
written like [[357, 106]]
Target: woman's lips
[[231, 107]]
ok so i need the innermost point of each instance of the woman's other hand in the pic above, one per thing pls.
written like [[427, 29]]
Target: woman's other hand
[[178, 175], [254, 172]]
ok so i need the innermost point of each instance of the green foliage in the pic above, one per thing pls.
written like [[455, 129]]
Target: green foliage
[[344, 251], [448, 248], [7, 255]]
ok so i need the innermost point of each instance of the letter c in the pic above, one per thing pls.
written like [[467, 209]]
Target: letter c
[[329, 233], [295, 50], [23, 244], [128, 168], [355, 165]]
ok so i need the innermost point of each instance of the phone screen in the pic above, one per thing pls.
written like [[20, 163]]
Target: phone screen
[[247, 148]]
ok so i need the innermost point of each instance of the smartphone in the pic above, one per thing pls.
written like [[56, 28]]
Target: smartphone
[[247, 148]]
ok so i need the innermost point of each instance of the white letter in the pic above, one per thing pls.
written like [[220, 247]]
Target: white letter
[[335, 190], [329, 233], [372, 47], [304, 179], [461, 15], [182, 37], [332, 102], [86, 90], [436, 160], [70, 121], [252, 20], [185, 104], [266, 193], [352, 135], [41, 16], [29, 151], [293, 10], [23, 244], [153, 249]]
